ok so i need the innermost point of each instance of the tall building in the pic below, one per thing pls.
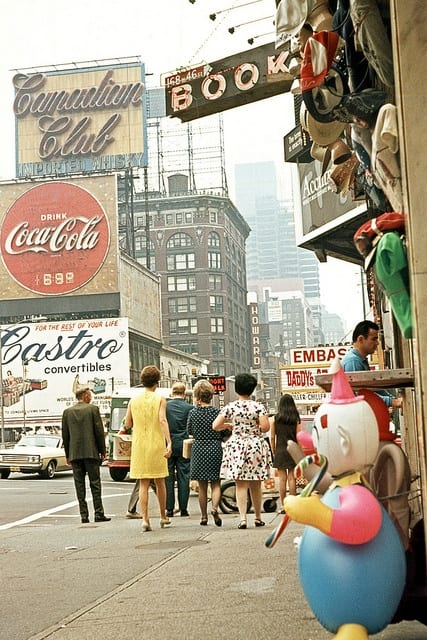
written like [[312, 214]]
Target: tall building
[[272, 252]]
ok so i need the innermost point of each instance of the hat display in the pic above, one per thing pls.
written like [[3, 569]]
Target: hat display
[[322, 155], [319, 53], [340, 151], [321, 132], [323, 76], [361, 107], [370, 232], [290, 17]]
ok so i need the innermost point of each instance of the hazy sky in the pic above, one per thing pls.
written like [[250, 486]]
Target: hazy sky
[[166, 34]]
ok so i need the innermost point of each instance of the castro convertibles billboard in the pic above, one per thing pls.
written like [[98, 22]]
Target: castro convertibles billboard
[[80, 120], [44, 362], [58, 237]]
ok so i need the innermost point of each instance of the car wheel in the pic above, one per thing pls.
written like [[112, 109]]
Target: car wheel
[[227, 502], [49, 472], [4, 474], [118, 474], [270, 505]]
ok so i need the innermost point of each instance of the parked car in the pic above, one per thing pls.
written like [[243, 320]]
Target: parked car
[[42, 454]]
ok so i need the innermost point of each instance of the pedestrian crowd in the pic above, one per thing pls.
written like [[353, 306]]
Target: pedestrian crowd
[[228, 443]]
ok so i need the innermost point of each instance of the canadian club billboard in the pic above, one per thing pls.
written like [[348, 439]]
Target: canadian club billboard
[[58, 237], [76, 120], [43, 363]]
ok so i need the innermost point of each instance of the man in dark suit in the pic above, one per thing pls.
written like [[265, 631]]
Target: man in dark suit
[[84, 444], [177, 410]]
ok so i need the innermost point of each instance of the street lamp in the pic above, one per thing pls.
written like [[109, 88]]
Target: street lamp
[[25, 362], [2, 330]]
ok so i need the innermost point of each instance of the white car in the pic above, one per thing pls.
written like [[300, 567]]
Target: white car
[[42, 454]]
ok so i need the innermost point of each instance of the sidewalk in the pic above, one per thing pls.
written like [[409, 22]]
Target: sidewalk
[[216, 583]]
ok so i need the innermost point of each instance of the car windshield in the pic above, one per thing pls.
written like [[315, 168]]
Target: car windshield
[[39, 441]]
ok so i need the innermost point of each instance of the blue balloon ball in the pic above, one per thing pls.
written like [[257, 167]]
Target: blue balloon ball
[[358, 584]]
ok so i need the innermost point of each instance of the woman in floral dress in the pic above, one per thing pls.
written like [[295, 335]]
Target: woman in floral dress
[[246, 456]]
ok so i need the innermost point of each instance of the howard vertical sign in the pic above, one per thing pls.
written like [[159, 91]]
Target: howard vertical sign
[[256, 352]]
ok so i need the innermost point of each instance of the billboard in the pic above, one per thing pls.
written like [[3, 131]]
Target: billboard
[[58, 237], [230, 82], [77, 120], [42, 363], [299, 378]]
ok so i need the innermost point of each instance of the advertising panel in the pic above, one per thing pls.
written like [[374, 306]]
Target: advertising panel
[[239, 79], [299, 378], [78, 120], [44, 362], [58, 237], [320, 205]]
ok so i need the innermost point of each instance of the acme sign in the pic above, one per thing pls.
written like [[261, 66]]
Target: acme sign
[[68, 122], [239, 79]]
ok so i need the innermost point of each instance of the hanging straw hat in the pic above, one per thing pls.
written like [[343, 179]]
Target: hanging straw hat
[[321, 132]]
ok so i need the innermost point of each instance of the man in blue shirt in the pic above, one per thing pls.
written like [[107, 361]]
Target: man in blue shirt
[[365, 341]]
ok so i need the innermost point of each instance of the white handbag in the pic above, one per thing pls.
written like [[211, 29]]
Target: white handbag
[[187, 445]]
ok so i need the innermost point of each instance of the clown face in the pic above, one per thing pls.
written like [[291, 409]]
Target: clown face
[[347, 434]]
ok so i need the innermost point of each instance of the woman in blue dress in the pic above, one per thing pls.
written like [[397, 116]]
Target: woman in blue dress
[[206, 454]]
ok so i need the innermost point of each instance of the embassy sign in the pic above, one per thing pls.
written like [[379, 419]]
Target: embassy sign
[[80, 120], [227, 83]]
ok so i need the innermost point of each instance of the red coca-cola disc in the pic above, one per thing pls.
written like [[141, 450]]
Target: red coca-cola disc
[[54, 238]]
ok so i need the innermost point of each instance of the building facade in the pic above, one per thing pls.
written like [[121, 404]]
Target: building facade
[[195, 242]]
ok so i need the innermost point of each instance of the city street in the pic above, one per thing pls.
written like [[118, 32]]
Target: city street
[[63, 580]]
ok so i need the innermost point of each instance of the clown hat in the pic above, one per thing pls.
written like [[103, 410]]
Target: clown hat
[[341, 392]]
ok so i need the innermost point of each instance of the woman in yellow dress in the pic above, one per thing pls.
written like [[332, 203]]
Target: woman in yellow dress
[[151, 443]]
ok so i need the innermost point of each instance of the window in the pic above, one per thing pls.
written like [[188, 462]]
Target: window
[[218, 347], [214, 260], [215, 283], [188, 217], [181, 283], [185, 325], [179, 218], [213, 217], [182, 305], [219, 367], [141, 252], [214, 240], [180, 261], [217, 325], [190, 346], [169, 218], [216, 304], [180, 240]]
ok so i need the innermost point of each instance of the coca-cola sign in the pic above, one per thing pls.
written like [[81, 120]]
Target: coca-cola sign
[[54, 238]]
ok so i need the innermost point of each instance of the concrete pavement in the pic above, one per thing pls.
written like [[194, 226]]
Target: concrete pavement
[[214, 583]]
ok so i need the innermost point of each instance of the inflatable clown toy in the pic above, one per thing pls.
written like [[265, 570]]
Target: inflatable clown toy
[[351, 561]]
